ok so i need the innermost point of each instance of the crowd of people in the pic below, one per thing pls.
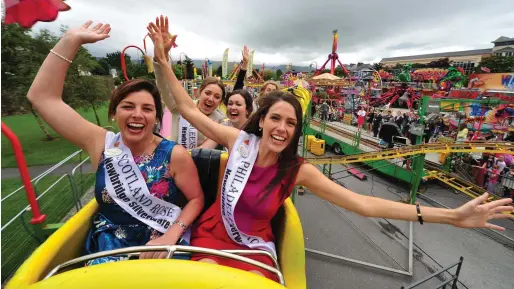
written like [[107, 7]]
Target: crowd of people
[[147, 187]]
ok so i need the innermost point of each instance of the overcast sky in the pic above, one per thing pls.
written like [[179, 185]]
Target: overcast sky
[[300, 31]]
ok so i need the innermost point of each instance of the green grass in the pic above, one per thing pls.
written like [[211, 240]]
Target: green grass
[[18, 240], [37, 150]]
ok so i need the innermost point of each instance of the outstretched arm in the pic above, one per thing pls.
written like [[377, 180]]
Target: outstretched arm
[[240, 82], [220, 134], [45, 94], [473, 214], [160, 78]]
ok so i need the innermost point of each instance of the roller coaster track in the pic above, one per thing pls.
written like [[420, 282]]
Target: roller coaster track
[[468, 147], [346, 134]]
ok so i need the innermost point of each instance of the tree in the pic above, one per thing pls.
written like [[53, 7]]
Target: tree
[[114, 59], [279, 73], [497, 64], [339, 72], [378, 66], [219, 71], [269, 74], [177, 69], [94, 91], [440, 63], [103, 68]]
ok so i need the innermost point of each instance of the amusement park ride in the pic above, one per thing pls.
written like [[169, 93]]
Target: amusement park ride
[[333, 58], [58, 262]]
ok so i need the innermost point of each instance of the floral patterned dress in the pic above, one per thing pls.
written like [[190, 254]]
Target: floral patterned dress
[[114, 228]]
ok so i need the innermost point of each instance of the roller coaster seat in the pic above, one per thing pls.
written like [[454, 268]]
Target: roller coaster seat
[[67, 243]]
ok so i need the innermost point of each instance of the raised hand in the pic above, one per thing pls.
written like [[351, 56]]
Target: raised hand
[[476, 213], [155, 34], [168, 39], [87, 34], [246, 54]]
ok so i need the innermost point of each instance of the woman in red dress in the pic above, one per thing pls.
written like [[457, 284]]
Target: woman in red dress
[[263, 167]]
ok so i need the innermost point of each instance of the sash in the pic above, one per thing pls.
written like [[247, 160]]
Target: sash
[[127, 187], [187, 134], [239, 167]]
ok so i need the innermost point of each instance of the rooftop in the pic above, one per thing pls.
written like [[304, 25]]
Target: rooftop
[[502, 39], [440, 55]]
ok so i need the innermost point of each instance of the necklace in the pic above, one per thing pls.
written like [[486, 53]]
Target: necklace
[[149, 146]]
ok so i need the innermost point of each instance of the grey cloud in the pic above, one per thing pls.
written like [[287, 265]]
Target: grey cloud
[[302, 29]]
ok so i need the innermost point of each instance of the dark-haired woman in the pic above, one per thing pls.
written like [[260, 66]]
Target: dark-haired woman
[[239, 107], [210, 95], [147, 188], [262, 169]]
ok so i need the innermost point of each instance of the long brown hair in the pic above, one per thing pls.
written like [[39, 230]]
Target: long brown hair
[[288, 160]]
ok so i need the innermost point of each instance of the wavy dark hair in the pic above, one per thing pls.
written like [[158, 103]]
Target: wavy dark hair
[[246, 96], [288, 160]]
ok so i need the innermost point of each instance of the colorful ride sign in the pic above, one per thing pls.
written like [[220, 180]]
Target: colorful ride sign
[[492, 81]]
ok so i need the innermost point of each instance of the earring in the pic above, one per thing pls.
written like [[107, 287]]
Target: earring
[[260, 128], [112, 119]]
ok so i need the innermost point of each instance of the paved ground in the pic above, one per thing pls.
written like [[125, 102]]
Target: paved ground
[[487, 259], [8, 173]]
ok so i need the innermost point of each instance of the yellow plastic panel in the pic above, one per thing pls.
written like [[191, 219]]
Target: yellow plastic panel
[[63, 245], [157, 274], [291, 247]]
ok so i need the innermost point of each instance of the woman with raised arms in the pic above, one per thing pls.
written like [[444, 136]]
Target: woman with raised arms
[[147, 187], [262, 169]]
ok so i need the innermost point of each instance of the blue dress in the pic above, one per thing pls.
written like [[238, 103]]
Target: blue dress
[[114, 228]]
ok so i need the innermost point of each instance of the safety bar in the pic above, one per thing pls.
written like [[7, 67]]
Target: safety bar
[[37, 217], [454, 278], [231, 254]]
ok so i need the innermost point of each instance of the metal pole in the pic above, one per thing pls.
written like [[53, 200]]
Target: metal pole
[[454, 286], [419, 162], [358, 262]]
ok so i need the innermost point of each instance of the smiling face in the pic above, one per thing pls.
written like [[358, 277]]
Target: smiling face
[[210, 99], [136, 116], [269, 88], [236, 109], [278, 126]]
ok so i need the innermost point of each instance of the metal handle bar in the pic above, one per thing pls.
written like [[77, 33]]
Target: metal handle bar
[[231, 254]]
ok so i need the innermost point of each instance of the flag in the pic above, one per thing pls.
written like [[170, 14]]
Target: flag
[[224, 64], [485, 69]]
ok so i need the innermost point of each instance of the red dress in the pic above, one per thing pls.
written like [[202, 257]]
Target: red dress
[[209, 230]]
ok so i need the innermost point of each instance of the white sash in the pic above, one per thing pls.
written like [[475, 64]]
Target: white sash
[[127, 187], [239, 167], [187, 134]]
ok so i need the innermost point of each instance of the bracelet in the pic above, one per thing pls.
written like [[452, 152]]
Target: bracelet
[[420, 217], [60, 56], [184, 227]]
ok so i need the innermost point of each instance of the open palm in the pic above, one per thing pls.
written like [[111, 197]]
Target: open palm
[[246, 54], [167, 39], [155, 34], [88, 34], [476, 213]]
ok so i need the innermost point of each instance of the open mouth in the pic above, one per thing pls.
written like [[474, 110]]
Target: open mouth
[[278, 139], [134, 127], [233, 114], [208, 106]]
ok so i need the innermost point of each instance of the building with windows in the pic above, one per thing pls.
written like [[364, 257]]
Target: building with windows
[[468, 59], [503, 46]]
